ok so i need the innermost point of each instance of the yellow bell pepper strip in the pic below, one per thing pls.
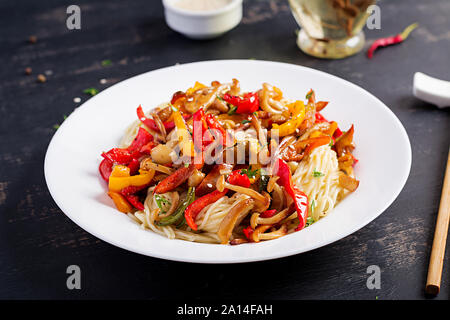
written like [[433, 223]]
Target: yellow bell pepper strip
[[298, 115], [118, 183], [121, 203], [196, 87], [187, 146], [120, 171]]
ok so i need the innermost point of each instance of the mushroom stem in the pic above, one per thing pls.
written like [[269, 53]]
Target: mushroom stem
[[222, 184]]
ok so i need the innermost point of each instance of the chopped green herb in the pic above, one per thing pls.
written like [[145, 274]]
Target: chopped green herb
[[331, 144], [309, 221], [245, 121], [250, 173], [309, 94], [186, 165], [90, 91], [220, 98], [317, 174], [56, 126], [232, 110], [106, 62], [64, 117], [255, 113]]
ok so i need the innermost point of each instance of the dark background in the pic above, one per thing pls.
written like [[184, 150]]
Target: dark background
[[38, 242]]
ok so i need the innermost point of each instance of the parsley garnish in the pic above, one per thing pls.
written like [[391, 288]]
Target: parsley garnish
[[232, 110], [106, 63], [317, 174], [330, 144], [309, 221], [245, 121], [90, 91], [309, 94], [220, 98], [56, 126], [186, 165], [250, 173], [161, 201]]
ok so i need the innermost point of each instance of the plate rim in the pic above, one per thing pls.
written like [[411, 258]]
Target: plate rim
[[271, 256]]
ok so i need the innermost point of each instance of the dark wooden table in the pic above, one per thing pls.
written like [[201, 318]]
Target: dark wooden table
[[38, 242]]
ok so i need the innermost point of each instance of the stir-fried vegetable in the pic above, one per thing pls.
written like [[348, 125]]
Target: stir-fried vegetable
[[219, 143], [178, 214]]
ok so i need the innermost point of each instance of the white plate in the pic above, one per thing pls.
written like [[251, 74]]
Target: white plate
[[71, 162]]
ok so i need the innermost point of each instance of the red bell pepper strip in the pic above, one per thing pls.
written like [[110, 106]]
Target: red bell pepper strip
[[195, 207], [300, 198], [248, 232], [134, 166], [134, 201], [120, 156], [268, 213], [239, 179], [141, 139], [320, 118], [383, 42], [337, 133], [175, 179], [130, 194], [214, 124], [201, 136], [105, 168], [151, 124], [249, 103]]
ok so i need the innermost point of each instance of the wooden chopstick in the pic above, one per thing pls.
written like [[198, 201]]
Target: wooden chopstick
[[440, 237]]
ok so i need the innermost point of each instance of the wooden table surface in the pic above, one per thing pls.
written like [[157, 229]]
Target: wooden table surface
[[38, 242]]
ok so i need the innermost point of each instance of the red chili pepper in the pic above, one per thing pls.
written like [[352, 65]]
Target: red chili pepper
[[105, 168], [268, 213], [249, 103], [248, 233], [214, 124], [383, 42], [239, 179], [300, 198], [195, 207]]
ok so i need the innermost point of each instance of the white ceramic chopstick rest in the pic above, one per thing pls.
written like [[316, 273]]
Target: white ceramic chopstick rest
[[432, 90]]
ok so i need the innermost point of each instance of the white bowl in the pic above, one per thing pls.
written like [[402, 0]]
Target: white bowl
[[203, 24]]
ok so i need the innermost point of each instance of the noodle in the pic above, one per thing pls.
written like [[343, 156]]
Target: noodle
[[318, 177]]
